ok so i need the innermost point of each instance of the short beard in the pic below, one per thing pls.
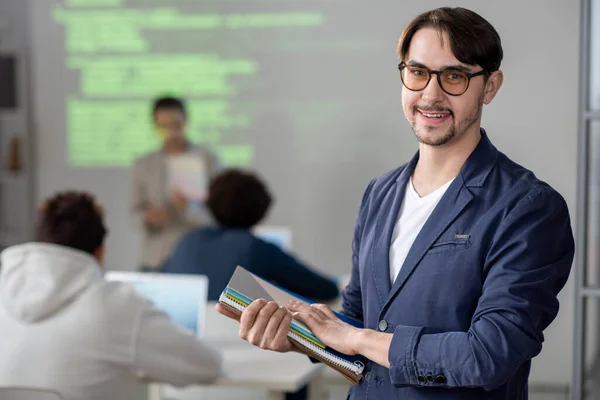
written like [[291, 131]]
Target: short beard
[[463, 125], [440, 141]]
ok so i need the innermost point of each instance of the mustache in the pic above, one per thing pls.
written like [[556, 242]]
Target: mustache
[[430, 108]]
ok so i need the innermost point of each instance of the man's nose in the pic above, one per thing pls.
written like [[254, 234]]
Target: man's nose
[[433, 90]]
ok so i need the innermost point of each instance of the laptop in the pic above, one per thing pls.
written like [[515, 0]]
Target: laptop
[[182, 297]]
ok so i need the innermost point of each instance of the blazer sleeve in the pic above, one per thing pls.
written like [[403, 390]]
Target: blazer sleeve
[[351, 295], [527, 264]]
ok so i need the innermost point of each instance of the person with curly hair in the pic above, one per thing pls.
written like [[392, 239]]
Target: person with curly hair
[[65, 328]]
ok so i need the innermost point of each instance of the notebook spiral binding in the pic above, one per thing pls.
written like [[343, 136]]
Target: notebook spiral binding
[[356, 367]]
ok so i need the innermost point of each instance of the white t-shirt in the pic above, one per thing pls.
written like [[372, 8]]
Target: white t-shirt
[[414, 212]]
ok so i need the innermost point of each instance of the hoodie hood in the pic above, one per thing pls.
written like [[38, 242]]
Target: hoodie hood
[[38, 279]]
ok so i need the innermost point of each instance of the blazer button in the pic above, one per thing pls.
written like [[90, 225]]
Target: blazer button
[[421, 379], [441, 379], [383, 325], [430, 378]]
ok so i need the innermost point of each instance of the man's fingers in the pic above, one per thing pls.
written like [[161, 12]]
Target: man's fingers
[[256, 332], [270, 333], [308, 318], [284, 325], [325, 309], [226, 312], [294, 305], [282, 342], [249, 316], [320, 310]]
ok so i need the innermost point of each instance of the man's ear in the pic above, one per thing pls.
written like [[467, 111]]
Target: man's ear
[[492, 86]]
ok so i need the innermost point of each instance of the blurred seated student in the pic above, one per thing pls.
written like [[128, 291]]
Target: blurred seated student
[[239, 200], [65, 328]]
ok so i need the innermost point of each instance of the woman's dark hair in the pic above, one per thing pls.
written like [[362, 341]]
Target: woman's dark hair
[[473, 40], [72, 219], [238, 199]]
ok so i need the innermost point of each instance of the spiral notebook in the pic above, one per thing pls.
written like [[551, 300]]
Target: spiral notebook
[[245, 287]]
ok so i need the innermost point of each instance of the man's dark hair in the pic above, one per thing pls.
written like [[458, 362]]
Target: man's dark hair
[[473, 40], [168, 103], [72, 219], [238, 199]]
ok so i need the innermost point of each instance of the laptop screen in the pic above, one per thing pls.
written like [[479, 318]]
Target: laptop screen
[[182, 297]]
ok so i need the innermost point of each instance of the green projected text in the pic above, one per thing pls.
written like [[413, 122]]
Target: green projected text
[[147, 75], [124, 57]]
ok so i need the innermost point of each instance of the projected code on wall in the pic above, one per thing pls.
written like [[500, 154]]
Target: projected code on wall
[[126, 56]]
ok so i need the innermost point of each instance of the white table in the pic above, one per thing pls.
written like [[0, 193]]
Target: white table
[[246, 366]]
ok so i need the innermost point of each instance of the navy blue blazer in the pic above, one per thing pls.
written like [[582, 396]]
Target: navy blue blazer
[[215, 252], [477, 289]]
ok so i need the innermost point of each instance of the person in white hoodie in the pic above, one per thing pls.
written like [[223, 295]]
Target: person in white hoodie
[[64, 328]]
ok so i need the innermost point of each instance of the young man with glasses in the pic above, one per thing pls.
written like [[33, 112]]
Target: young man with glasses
[[458, 255]]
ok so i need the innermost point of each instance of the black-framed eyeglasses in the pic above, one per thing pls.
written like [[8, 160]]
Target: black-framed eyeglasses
[[452, 81]]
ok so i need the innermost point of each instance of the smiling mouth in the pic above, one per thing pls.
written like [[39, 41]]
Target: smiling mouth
[[434, 114]]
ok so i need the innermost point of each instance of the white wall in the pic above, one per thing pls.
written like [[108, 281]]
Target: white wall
[[533, 120], [16, 190]]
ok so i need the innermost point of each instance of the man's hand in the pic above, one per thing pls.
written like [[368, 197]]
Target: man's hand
[[226, 312], [179, 201], [264, 324], [326, 326], [155, 217]]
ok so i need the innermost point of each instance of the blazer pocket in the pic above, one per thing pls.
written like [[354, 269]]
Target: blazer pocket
[[449, 246]]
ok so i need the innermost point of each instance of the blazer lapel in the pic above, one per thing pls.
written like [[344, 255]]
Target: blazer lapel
[[473, 174], [386, 221], [456, 198]]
